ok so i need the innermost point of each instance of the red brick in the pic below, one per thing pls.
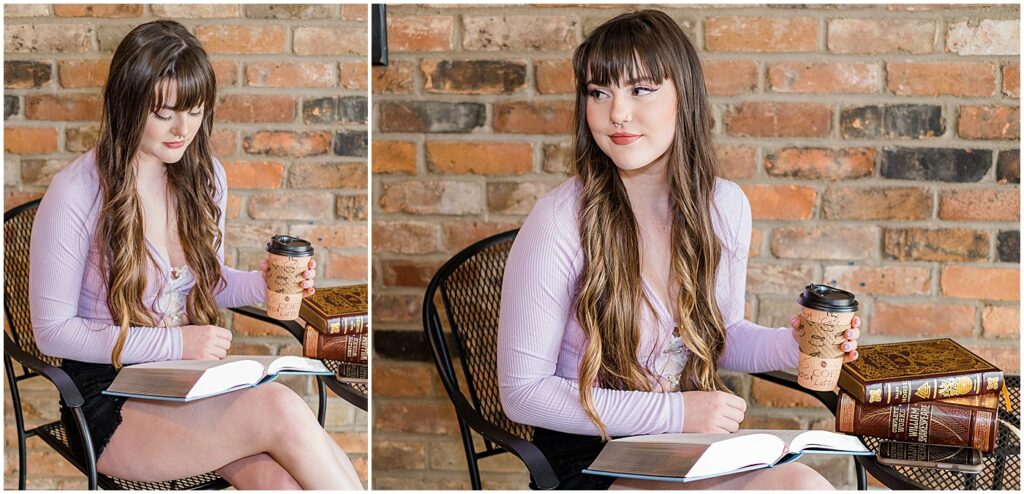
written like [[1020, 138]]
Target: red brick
[[737, 162], [353, 12], [870, 36], [345, 267], [778, 278], [834, 243], [256, 108], [1011, 80], [459, 235], [284, 143], [114, 11], [819, 163], [522, 117], [408, 273], [405, 237], [394, 78], [247, 326], [48, 38], [989, 122], [877, 203], [759, 421], [251, 235], [30, 140], [981, 283], [881, 280], [351, 207], [1006, 358], [480, 158], [234, 208], [984, 37], [394, 156], [327, 175], [995, 204], [773, 395], [84, 73], [243, 40], [923, 244], [554, 77], [556, 157], [333, 236], [838, 77], [772, 119], [26, 10], [999, 321], [432, 197], [939, 320], [195, 11], [756, 238], [224, 142], [402, 380], [519, 33], [352, 75], [942, 78], [761, 34], [399, 455], [433, 417], [40, 172], [290, 206], [420, 33], [780, 202], [515, 197], [27, 74], [473, 76], [333, 40], [254, 174], [730, 77], [351, 442], [63, 107], [81, 139], [298, 74], [396, 308]]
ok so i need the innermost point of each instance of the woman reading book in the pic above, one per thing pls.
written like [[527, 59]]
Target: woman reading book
[[624, 291], [127, 266]]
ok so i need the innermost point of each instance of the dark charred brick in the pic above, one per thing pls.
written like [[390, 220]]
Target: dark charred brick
[[892, 121], [319, 110], [402, 345], [476, 76], [922, 244], [11, 106], [351, 208], [352, 110], [22, 74], [1008, 166], [431, 116], [350, 143], [936, 164], [1008, 246]]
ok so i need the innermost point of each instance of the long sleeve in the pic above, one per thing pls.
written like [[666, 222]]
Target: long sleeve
[[536, 306], [240, 287], [61, 237], [748, 347]]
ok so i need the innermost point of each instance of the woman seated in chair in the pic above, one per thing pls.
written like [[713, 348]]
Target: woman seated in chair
[[127, 267], [624, 290]]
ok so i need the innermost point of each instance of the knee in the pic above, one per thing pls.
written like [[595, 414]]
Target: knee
[[281, 408], [797, 476]]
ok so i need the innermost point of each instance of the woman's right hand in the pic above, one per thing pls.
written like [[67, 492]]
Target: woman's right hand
[[714, 412], [204, 342]]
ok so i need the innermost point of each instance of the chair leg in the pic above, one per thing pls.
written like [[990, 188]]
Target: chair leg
[[90, 454], [321, 413], [471, 459], [19, 421], [862, 476]]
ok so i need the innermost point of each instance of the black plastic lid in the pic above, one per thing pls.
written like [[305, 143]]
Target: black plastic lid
[[285, 245], [827, 298]]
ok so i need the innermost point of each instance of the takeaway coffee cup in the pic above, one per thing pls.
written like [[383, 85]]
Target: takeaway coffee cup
[[288, 257], [826, 314]]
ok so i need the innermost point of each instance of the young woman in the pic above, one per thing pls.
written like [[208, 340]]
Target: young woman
[[127, 267], [624, 290]]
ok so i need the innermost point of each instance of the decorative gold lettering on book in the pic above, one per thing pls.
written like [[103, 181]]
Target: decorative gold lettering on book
[[992, 383], [876, 396], [899, 360], [982, 427], [955, 386], [925, 391]]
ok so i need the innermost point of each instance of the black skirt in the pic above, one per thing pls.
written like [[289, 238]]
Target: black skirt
[[569, 454], [102, 412]]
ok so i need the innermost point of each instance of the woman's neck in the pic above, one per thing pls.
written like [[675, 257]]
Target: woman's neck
[[648, 189], [150, 172]]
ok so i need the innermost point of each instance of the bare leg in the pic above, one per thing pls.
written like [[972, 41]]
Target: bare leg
[[167, 440], [258, 472], [791, 476], [346, 463]]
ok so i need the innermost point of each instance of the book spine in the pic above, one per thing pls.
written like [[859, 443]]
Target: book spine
[[345, 325], [342, 348], [926, 389], [928, 422]]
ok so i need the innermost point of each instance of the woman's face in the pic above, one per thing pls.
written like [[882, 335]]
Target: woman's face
[[168, 133], [634, 124]]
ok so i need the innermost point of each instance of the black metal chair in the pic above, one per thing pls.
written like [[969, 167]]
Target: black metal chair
[[469, 286], [20, 346]]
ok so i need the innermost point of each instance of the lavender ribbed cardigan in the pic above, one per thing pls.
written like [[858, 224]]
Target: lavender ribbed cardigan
[[67, 292], [540, 342]]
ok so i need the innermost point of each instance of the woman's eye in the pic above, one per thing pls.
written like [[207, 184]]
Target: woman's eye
[[597, 94], [643, 90], [196, 112], [162, 116]]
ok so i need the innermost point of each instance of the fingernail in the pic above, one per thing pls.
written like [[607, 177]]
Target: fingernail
[[849, 334], [846, 347]]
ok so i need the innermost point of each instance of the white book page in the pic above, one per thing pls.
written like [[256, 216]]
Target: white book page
[[826, 440], [738, 452], [228, 375], [292, 362]]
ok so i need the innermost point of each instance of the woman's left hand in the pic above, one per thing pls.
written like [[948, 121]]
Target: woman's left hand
[[849, 346], [308, 276]]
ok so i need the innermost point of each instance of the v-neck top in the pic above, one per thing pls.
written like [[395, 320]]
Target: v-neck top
[[540, 342], [67, 288]]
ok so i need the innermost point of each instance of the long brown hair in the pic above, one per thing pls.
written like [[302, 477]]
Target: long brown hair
[[646, 44], [146, 61]]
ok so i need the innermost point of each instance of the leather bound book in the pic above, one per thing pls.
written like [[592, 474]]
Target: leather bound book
[[337, 310], [352, 348], [926, 422], [913, 371]]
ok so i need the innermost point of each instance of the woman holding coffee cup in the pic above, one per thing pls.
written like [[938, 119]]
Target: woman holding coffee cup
[[624, 290], [127, 267]]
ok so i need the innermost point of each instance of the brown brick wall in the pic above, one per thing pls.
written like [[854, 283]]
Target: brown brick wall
[[291, 131], [878, 147]]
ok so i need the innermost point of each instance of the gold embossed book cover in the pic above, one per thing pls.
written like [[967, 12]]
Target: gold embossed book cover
[[337, 310], [913, 371]]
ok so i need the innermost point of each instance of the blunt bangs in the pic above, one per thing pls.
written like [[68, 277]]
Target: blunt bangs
[[195, 81], [623, 53]]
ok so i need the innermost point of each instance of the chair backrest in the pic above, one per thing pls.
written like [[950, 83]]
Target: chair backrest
[[469, 286], [17, 236]]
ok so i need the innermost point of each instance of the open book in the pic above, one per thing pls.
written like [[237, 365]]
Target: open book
[[689, 457], [187, 380]]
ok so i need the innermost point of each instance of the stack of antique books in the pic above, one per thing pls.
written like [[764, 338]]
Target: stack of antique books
[[337, 327], [919, 394]]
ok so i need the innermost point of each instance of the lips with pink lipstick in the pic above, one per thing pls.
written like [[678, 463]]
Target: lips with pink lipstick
[[174, 144], [623, 138]]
